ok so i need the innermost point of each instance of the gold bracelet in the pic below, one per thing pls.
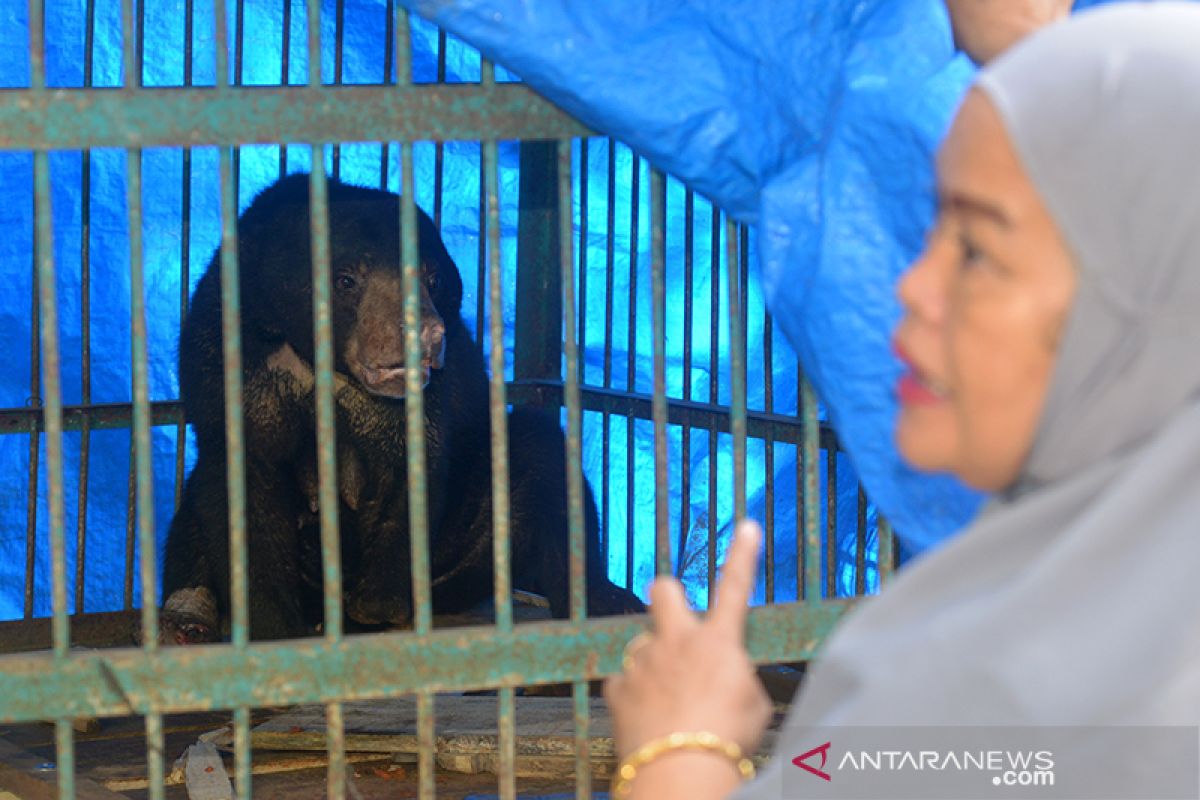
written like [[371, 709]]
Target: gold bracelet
[[622, 781]]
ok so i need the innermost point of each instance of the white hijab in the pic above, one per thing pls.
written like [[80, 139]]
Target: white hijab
[[1075, 598]]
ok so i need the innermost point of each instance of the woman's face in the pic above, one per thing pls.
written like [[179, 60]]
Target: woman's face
[[984, 304]]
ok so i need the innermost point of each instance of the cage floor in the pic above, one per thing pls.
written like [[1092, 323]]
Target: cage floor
[[289, 759], [111, 759]]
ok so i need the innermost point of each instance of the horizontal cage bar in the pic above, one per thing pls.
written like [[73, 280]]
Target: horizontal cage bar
[[130, 681], [65, 119]]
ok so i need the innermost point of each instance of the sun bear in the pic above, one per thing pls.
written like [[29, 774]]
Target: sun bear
[[280, 442]]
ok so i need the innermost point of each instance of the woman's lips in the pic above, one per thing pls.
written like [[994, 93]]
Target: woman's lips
[[913, 388], [913, 392]]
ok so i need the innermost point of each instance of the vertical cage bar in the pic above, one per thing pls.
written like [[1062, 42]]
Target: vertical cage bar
[[339, 33], [142, 468], [147, 559], [685, 467], [605, 419], [737, 369], [860, 546], [238, 45], [831, 537], [439, 148], [42, 254], [769, 457], [886, 555], [635, 197], [810, 452], [235, 451], [48, 318], [388, 55], [714, 344], [418, 522], [481, 254], [242, 756], [331, 565], [85, 325], [581, 314], [500, 478], [571, 392], [413, 399], [285, 49], [658, 260], [185, 244], [130, 521]]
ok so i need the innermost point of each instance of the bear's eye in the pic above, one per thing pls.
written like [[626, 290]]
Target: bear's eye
[[345, 282], [431, 280]]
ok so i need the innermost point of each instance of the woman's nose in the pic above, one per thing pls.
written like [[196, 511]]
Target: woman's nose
[[922, 289]]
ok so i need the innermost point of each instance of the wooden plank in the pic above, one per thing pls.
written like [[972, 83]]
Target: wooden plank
[[466, 733], [22, 773]]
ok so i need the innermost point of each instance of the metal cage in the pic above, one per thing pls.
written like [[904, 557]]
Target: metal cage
[[553, 319]]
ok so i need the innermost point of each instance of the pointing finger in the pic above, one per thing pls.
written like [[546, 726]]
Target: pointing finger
[[737, 579]]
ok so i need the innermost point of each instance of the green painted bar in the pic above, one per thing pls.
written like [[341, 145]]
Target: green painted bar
[[571, 396], [144, 466], [85, 322], [120, 682], [501, 510], [887, 549], [331, 566], [426, 778], [737, 368], [706, 416], [235, 456], [67, 119], [658, 327], [414, 407], [497, 403], [147, 558], [64, 752], [48, 313], [577, 545], [242, 756], [810, 454], [155, 747], [335, 729]]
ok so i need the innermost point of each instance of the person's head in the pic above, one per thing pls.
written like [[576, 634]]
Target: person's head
[[985, 28], [985, 307], [1052, 320]]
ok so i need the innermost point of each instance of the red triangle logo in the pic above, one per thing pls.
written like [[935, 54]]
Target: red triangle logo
[[818, 771]]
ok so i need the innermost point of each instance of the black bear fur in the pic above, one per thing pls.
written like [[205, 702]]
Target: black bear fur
[[280, 432]]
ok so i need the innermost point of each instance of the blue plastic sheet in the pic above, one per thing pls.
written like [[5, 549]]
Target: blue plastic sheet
[[817, 121]]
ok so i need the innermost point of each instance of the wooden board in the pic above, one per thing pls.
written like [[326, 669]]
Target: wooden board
[[466, 733]]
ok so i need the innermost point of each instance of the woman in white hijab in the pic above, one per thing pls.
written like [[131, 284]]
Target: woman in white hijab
[[1053, 332]]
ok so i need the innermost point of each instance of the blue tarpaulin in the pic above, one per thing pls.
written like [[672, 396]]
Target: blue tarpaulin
[[814, 119], [817, 122]]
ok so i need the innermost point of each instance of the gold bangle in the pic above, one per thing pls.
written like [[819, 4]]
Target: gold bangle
[[622, 780]]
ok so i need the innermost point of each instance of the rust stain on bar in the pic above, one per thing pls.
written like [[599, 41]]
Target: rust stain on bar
[[121, 682], [64, 119]]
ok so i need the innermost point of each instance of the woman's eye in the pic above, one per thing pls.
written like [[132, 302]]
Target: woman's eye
[[970, 255], [345, 282]]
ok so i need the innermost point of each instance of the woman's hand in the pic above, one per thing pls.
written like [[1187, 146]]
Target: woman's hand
[[693, 674]]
